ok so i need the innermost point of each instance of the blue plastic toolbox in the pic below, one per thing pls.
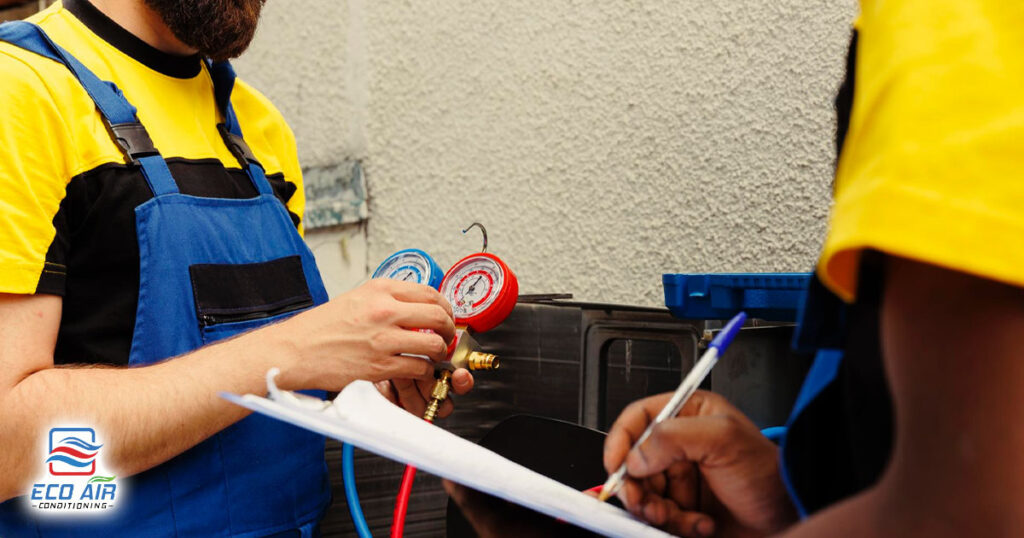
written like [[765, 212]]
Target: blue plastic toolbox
[[768, 296]]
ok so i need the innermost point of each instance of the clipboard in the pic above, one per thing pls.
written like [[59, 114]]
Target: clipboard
[[361, 416]]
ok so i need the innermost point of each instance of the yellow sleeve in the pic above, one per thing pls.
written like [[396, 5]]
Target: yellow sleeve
[[34, 172], [933, 164]]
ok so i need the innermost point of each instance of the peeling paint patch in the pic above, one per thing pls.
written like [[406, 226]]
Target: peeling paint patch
[[335, 194]]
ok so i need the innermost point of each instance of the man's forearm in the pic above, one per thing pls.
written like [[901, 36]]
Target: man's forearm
[[145, 415], [148, 415]]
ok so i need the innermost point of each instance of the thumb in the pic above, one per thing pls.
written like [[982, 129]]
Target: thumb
[[687, 439]]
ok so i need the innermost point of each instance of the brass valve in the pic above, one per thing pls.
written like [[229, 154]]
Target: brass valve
[[463, 356], [437, 395]]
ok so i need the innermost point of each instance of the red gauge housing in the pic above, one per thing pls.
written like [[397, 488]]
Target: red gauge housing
[[505, 293]]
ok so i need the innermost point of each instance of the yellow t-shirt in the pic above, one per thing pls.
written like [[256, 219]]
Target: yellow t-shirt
[[932, 168], [67, 196]]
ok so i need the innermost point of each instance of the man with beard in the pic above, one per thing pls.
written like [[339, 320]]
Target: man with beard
[[151, 257]]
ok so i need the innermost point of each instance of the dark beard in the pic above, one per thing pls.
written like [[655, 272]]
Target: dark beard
[[218, 29]]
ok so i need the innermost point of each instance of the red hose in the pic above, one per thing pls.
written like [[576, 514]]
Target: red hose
[[402, 501]]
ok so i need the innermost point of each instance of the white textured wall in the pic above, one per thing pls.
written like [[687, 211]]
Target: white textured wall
[[309, 57], [602, 143]]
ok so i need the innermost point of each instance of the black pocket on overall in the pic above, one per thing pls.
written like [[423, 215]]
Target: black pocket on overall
[[234, 298]]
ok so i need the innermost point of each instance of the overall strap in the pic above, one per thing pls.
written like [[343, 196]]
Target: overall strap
[[117, 112], [223, 76]]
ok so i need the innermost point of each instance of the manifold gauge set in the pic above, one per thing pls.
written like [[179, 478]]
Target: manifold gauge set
[[482, 291]]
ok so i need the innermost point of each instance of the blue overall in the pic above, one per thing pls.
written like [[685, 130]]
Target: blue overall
[[260, 476], [838, 437]]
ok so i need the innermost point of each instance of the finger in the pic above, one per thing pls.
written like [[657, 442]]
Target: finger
[[417, 343], [446, 407], [667, 515], [632, 495], [682, 484], [402, 366], [426, 316], [628, 427], [408, 292], [688, 439], [462, 381], [426, 388], [455, 491], [643, 502], [386, 390], [635, 418], [656, 483], [410, 396]]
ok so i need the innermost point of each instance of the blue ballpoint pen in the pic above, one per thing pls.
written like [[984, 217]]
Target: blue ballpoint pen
[[686, 389]]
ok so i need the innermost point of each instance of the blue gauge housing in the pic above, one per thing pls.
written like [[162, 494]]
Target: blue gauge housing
[[411, 265]]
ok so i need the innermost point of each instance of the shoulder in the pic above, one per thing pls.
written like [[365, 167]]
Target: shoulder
[[33, 88], [932, 168], [25, 74], [265, 130]]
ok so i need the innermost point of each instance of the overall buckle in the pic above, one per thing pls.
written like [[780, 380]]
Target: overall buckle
[[134, 140], [237, 146]]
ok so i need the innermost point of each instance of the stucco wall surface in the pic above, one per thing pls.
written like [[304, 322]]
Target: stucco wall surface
[[309, 58], [601, 143], [604, 143]]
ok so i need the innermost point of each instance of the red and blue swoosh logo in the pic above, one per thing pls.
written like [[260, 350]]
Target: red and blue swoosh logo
[[73, 451]]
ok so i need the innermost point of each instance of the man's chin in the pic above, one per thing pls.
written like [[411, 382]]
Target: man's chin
[[217, 29]]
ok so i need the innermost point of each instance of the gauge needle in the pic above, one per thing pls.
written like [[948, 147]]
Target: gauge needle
[[473, 285], [406, 277]]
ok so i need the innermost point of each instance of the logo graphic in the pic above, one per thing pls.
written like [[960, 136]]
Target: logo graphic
[[73, 452]]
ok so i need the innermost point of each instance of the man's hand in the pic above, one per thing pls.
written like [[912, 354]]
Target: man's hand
[[414, 394], [711, 442], [155, 412], [364, 333]]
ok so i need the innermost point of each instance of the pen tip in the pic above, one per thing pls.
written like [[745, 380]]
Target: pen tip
[[603, 496]]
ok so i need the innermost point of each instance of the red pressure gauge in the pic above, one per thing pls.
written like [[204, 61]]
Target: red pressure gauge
[[482, 291]]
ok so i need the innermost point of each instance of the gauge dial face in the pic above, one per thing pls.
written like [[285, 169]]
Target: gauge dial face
[[405, 266], [473, 285]]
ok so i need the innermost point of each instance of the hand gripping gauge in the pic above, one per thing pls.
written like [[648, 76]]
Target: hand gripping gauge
[[409, 265]]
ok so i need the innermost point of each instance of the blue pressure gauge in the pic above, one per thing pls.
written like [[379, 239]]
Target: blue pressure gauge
[[411, 265]]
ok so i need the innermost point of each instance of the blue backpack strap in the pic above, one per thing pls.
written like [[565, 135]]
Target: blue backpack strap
[[223, 76], [117, 112]]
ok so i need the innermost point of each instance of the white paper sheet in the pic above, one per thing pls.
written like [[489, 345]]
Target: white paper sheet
[[360, 415]]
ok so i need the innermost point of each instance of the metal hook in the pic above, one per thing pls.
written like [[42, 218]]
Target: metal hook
[[482, 230]]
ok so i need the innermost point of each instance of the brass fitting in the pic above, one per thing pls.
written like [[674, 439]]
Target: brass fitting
[[463, 356], [466, 355], [440, 391], [437, 395], [483, 361]]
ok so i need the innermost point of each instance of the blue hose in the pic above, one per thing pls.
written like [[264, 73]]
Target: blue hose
[[349, 474]]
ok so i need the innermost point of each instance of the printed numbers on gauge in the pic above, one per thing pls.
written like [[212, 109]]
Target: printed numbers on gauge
[[473, 285], [482, 291], [410, 265]]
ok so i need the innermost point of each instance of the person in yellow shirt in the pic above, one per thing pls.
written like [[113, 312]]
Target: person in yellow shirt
[[909, 422], [151, 257]]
